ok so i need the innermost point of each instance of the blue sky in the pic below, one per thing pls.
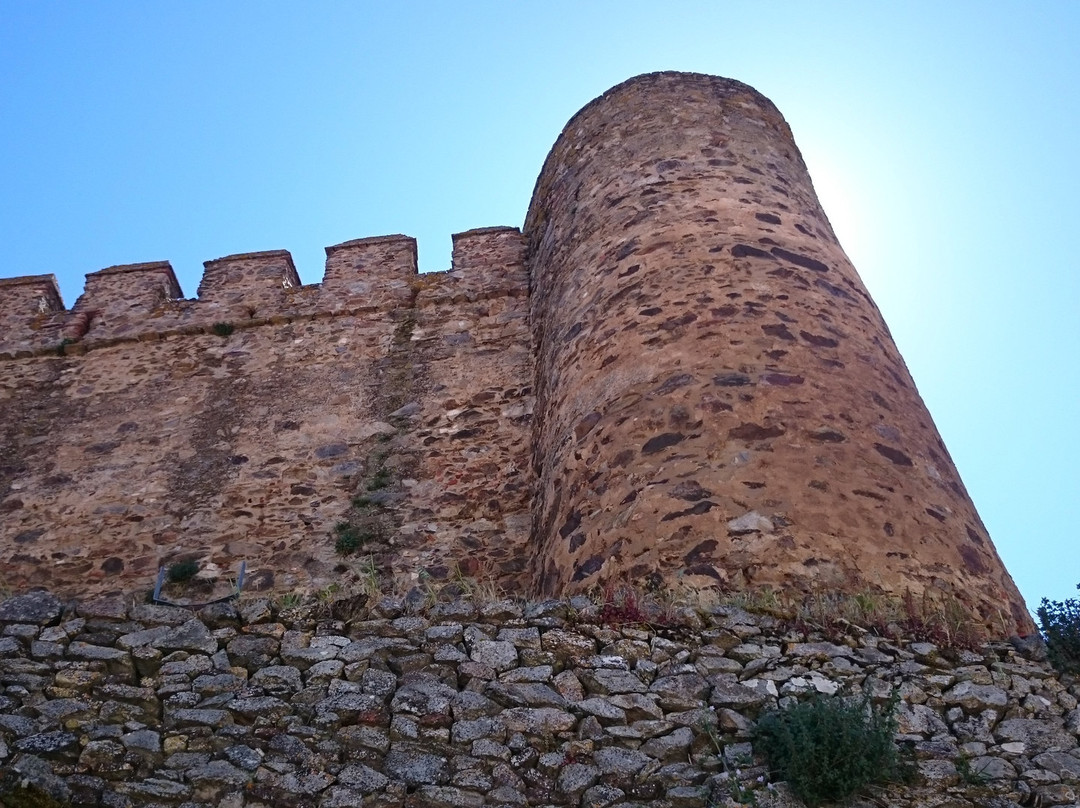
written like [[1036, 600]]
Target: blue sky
[[942, 139]]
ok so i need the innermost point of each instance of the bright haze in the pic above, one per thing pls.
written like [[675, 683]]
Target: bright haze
[[941, 138]]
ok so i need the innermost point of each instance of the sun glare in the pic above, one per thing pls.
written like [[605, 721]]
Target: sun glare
[[840, 201]]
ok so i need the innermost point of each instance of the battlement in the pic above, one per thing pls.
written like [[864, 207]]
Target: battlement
[[239, 286], [30, 293], [487, 247], [118, 300], [144, 301]]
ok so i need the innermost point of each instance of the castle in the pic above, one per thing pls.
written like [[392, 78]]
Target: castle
[[672, 373]]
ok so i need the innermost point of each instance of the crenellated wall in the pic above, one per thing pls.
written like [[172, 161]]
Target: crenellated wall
[[718, 401], [144, 301], [150, 438]]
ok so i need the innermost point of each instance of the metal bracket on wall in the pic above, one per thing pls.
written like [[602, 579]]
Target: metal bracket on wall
[[231, 596]]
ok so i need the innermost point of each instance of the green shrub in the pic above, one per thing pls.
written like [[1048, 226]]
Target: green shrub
[[183, 571], [349, 539], [1059, 623], [222, 329], [830, 747]]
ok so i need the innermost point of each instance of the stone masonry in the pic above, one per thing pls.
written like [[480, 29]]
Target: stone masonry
[[672, 375], [494, 703]]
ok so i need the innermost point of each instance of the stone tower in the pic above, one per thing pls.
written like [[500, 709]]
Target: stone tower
[[718, 397]]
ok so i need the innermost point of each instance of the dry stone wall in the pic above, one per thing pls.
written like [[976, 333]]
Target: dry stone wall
[[718, 402], [467, 704]]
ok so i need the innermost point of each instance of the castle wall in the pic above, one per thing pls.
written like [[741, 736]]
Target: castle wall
[[152, 438], [719, 399], [472, 434]]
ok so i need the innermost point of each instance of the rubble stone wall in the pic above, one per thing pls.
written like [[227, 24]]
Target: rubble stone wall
[[501, 703], [242, 426]]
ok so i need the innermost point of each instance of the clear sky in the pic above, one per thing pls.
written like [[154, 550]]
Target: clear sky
[[942, 138]]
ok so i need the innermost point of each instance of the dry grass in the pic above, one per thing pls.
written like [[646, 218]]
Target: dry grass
[[937, 618]]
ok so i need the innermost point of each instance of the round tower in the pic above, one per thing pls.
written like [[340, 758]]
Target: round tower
[[718, 398]]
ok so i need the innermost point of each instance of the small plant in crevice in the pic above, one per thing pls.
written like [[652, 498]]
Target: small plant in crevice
[[709, 729], [403, 331], [942, 620], [183, 571], [969, 775], [380, 479], [1059, 623], [945, 622], [349, 538], [763, 600], [833, 613], [478, 587], [61, 349], [832, 747], [621, 604], [222, 329], [327, 593], [737, 790], [423, 594], [289, 600], [731, 785], [369, 582]]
